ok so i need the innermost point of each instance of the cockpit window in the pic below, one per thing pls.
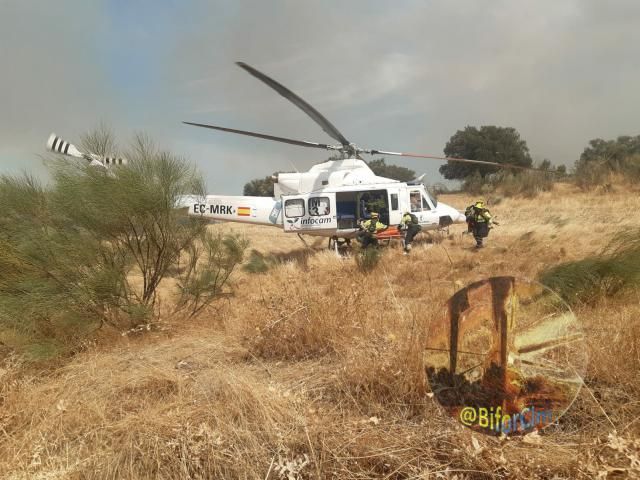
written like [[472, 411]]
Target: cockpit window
[[294, 208], [432, 197], [414, 199], [425, 204], [394, 201], [319, 206]]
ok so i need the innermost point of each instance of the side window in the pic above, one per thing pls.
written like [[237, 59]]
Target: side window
[[394, 201], [425, 204], [294, 207], [415, 200], [319, 206]]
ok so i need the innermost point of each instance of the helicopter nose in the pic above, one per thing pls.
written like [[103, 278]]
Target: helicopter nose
[[457, 216]]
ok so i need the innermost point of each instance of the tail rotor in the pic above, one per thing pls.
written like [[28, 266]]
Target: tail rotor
[[56, 144]]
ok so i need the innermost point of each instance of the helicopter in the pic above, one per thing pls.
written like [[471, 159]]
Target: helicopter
[[332, 198]]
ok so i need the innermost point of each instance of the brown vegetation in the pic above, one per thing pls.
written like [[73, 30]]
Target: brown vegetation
[[314, 369]]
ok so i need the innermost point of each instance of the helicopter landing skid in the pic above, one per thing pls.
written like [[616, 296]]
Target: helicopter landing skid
[[339, 246], [304, 241]]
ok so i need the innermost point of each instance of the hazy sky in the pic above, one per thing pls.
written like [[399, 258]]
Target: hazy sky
[[401, 75]]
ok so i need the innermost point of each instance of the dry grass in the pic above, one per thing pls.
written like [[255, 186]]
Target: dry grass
[[314, 370]]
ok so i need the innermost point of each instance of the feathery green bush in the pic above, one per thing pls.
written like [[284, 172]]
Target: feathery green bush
[[589, 280], [94, 244]]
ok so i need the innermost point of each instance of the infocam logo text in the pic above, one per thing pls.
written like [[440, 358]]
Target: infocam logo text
[[492, 418]]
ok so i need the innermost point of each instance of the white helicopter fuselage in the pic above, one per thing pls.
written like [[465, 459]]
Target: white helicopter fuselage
[[330, 200]]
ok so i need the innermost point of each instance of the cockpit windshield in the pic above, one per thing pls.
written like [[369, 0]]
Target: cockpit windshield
[[431, 196]]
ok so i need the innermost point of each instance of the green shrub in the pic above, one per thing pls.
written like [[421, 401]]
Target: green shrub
[[258, 263], [71, 252], [589, 280], [526, 183], [367, 259], [591, 174], [473, 184], [132, 209], [631, 168], [600, 171], [55, 281], [440, 189], [210, 263]]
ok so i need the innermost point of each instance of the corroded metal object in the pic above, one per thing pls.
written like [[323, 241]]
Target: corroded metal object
[[509, 344]]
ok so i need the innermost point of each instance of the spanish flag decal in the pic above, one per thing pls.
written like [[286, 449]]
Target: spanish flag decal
[[244, 211]]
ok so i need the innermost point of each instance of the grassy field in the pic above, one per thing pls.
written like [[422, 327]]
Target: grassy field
[[315, 369]]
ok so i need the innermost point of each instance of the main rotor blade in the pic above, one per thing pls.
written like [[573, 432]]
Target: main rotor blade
[[317, 117], [300, 143], [452, 159]]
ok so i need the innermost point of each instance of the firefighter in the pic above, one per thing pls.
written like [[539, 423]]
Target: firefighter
[[411, 227], [479, 221], [368, 230]]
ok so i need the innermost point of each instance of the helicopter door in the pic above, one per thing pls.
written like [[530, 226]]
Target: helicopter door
[[429, 213], [310, 212], [422, 208]]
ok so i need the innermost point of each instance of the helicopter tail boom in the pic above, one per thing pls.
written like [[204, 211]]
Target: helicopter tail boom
[[241, 209]]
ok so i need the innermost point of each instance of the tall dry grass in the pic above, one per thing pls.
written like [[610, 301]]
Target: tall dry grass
[[314, 370]]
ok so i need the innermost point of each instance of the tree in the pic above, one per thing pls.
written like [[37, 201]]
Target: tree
[[488, 143], [610, 152], [602, 158], [66, 276], [133, 209], [210, 263], [380, 168], [260, 187], [93, 245]]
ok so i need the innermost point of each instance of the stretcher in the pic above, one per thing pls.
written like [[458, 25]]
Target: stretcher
[[389, 234]]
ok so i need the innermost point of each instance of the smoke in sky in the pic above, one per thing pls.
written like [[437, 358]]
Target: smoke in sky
[[399, 75]]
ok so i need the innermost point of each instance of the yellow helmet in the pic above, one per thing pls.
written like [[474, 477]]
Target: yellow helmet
[[479, 204], [374, 215]]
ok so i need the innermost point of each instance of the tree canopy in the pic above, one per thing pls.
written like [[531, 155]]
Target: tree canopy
[[610, 151], [488, 143], [92, 246], [260, 187], [601, 158]]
